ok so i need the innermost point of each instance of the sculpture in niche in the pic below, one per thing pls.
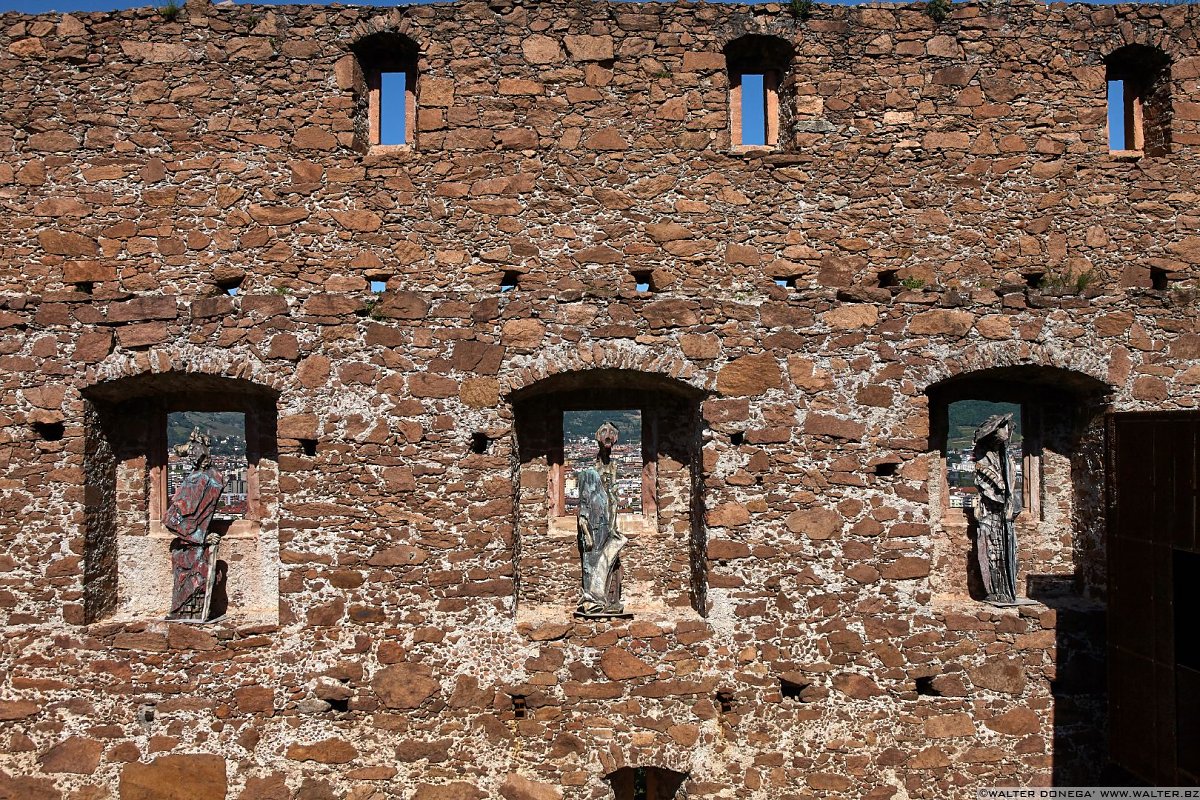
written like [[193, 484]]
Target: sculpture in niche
[[997, 506], [599, 540], [194, 548]]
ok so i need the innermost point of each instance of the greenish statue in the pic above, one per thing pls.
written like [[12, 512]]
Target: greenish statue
[[600, 542]]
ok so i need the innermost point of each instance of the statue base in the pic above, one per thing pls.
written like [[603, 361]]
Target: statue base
[[603, 615], [1020, 601]]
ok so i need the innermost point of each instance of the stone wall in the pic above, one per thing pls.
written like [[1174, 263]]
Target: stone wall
[[804, 625]]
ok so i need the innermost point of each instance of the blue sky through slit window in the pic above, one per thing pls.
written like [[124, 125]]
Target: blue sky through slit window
[[1116, 115], [754, 128], [391, 108], [378, 286]]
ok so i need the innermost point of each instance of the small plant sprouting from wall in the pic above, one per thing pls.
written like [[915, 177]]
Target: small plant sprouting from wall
[[1067, 282], [939, 10], [913, 284], [801, 9], [171, 11]]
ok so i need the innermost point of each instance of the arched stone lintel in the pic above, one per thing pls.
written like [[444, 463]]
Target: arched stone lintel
[[394, 21], [1089, 367], [664, 754], [160, 366], [626, 357]]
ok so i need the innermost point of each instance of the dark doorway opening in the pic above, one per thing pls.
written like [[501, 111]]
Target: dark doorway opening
[[1154, 568], [646, 783]]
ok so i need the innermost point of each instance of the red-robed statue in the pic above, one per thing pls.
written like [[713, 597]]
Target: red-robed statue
[[194, 549]]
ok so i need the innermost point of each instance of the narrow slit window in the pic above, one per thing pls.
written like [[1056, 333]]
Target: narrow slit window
[[1138, 85], [508, 281], [643, 282], [1122, 109], [378, 286], [393, 106], [388, 64], [758, 67], [754, 110]]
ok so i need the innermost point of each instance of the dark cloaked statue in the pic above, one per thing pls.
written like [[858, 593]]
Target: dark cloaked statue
[[600, 542], [194, 548], [997, 506]]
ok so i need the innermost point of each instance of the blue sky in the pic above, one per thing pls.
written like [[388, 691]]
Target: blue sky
[[42, 6]]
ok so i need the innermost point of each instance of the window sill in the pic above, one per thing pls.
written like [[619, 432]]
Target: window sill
[[237, 529], [567, 526], [754, 150], [388, 152], [1126, 155]]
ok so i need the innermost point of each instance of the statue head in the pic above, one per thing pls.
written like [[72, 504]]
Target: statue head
[[606, 436], [195, 449], [999, 426]]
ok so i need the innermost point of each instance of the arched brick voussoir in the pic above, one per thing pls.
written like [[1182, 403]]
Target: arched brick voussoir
[[185, 360], [663, 752], [524, 371], [1092, 363], [394, 21]]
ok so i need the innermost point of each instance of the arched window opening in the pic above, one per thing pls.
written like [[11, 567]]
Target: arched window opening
[[646, 783], [1056, 442], [658, 481], [134, 430], [388, 62], [759, 69], [1139, 100]]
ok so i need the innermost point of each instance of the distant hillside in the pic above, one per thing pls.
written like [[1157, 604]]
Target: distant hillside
[[586, 423], [227, 429], [967, 415]]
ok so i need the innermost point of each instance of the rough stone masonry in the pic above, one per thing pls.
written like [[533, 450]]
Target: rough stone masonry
[[194, 216]]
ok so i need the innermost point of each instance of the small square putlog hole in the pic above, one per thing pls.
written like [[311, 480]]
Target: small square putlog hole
[[231, 285], [925, 686], [520, 706], [1158, 278], [643, 281], [792, 690], [725, 700], [887, 469], [308, 447], [1035, 280], [887, 278], [49, 431], [479, 443]]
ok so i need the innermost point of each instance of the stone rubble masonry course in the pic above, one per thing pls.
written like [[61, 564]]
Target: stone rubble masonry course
[[151, 164]]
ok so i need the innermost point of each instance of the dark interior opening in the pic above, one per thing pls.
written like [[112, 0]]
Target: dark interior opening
[[925, 686], [792, 690], [646, 783], [479, 442], [49, 431]]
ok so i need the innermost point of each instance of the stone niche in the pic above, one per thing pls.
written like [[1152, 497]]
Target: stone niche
[[663, 573], [1060, 532], [127, 566]]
